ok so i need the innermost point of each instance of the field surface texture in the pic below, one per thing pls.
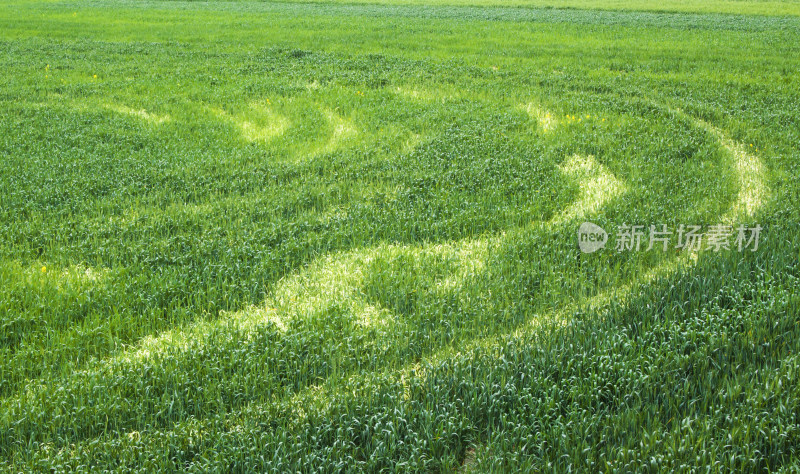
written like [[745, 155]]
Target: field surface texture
[[246, 236]]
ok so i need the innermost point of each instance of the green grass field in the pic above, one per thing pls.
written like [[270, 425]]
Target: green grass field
[[257, 236]]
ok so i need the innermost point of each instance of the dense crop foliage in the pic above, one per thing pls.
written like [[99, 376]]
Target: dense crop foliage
[[271, 236]]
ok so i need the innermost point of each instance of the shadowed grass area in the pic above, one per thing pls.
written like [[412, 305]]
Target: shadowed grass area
[[245, 236]]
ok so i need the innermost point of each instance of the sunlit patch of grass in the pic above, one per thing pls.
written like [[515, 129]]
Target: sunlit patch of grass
[[57, 100], [750, 170], [547, 122], [340, 279], [596, 183], [259, 124], [56, 277], [410, 143], [330, 280], [139, 113], [341, 131], [424, 94], [262, 123]]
